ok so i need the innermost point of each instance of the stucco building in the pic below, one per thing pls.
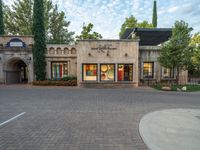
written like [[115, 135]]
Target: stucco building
[[130, 61]]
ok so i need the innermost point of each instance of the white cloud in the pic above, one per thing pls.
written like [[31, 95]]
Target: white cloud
[[173, 9]]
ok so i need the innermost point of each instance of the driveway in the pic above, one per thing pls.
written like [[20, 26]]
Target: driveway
[[63, 118]]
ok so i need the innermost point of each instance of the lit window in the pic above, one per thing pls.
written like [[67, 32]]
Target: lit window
[[148, 70], [59, 70], [107, 72], [90, 72], [125, 72], [168, 73]]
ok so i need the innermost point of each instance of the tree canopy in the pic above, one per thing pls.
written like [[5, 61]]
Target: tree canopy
[[19, 20], [132, 22], [176, 53], [88, 34], [1, 19], [195, 43], [155, 17]]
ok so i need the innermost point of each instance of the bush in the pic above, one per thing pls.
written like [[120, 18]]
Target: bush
[[55, 83], [69, 78]]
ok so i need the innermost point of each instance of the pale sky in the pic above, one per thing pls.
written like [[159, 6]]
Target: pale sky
[[108, 15]]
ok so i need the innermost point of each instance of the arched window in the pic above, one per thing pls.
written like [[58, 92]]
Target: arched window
[[73, 51], [59, 51], [66, 50], [51, 50]]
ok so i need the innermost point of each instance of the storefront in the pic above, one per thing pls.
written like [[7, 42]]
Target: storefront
[[107, 62]]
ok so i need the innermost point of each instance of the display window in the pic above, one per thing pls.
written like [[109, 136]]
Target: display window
[[168, 73], [125, 72], [90, 72], [107, 72], [59, 70], [148, 69]]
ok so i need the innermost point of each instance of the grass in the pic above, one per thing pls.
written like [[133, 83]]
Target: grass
[[190, 87]]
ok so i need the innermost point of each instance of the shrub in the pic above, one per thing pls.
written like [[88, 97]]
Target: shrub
[[55, 83]]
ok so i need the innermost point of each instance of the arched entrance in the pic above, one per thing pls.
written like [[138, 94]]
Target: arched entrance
[[16, 72]]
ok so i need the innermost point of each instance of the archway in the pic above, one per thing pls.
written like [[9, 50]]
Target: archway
[[16, 72]]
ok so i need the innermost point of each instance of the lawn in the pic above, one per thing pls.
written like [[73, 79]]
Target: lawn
[[190, 87]]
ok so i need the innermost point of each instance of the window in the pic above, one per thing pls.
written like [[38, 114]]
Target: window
[[90, 72], [168, 73], [148, 69], [59, 70], [107, 72], [125, 72]]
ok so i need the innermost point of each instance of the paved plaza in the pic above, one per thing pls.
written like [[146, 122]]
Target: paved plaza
[[71, 118]]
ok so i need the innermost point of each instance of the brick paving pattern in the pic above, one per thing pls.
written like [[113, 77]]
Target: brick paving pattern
[[80, 119]]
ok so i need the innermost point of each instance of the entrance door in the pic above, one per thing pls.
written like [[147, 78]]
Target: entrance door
[[16, 72]]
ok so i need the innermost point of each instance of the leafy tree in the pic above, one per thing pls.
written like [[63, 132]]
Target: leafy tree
[[19, 20], [132, 22], [176, 53], [88, 34], [39, 38], [1, 19], [195, 43], [154, 18]]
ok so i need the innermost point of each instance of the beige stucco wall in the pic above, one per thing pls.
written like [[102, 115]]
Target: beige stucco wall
[[126, 52], [7, 55]]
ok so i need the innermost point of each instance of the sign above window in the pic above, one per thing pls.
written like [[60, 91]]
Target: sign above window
[[15, 42], [104, 48]]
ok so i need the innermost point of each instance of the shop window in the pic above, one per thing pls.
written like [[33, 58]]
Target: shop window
[[168, 73], [59, 70], [107, 72], [148, 69], [125, 72], [90, 72]]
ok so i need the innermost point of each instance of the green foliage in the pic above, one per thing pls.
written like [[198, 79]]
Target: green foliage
[[19, 20], [69, 78], [132, 22], [88, 34], [1, 19], [154, 18], [39, 38], [176, 53]]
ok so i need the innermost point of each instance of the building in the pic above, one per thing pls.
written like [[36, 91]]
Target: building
[[128, 62]]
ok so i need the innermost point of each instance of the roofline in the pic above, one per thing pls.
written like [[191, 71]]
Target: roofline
[[16, 36], [110, 40]]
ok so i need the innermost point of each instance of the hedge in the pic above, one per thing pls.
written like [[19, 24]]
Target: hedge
[[55, 83]]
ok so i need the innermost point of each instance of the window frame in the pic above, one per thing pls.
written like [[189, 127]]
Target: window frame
[[67, 62], [152, 73], [100, 72], [172, 73], [132, 71], [97, 72]]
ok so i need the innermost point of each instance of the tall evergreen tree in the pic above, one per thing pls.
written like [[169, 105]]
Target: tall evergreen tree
[[39, 38], [154, 19], [1, 19]]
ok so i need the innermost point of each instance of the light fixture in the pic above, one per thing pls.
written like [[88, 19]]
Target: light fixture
[[126, 54], [89, 54]]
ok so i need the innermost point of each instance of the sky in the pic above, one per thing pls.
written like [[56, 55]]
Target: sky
[[108, 15]]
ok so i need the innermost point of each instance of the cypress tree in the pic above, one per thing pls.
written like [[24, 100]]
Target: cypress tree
[[1, 19], [154, 19], [39, 38]]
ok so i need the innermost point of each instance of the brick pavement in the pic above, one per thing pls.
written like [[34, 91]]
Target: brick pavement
[[81, 119]]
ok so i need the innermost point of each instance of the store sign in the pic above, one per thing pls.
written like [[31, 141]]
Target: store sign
[[104, 48], [15, 42]]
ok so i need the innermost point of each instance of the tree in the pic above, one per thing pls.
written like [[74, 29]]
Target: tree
[[39, 38], [132, 22], [154, 18], [176, 53], [195, 43], [19, 20], [1, 19], [88, 34]]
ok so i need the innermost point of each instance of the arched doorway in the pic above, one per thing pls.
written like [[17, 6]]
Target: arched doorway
[[16, 72]]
